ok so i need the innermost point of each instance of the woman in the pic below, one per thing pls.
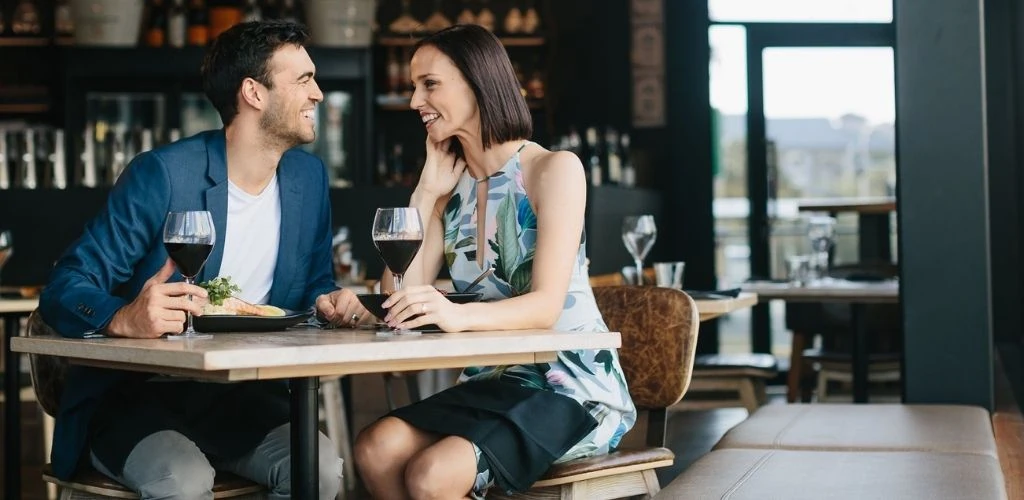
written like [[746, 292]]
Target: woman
[[490, 197]]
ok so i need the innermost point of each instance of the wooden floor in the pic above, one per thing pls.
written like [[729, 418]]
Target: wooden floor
[[690, 435]]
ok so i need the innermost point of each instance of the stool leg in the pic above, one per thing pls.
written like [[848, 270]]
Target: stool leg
[[337, 429], [796, 363], [747, 394], [822, 386], [48, 423], [412, 384]]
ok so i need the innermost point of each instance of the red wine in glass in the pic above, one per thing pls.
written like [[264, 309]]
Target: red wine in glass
[[189, 257], [398, 254], [398, 234], [189, 238]]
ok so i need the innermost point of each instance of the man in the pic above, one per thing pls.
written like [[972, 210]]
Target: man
[[160, 436]]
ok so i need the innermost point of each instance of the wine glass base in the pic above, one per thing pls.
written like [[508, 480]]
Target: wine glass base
[[189, 336], [390, 332]]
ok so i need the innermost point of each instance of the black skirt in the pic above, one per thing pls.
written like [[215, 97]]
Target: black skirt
[[225, 421], [521, 430]]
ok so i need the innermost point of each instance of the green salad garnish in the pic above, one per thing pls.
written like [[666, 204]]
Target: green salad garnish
[[219, 289]]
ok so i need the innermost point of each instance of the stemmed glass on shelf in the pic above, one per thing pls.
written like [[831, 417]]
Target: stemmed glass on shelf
[[638, 234], [189, 239]]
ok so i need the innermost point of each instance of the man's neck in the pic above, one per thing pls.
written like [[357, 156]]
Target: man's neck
[[252, 160]]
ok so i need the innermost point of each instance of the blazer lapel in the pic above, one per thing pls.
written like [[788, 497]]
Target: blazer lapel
[[216, 201], [291, 219]]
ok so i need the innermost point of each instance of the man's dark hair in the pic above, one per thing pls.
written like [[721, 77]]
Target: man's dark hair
[[484, 63], [244, 51]]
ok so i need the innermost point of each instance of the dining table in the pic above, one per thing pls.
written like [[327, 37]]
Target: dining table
[[302, 355], [857, 293], [12, 310]]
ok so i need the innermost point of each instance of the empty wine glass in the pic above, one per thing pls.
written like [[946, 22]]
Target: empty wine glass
[[638, 234], [821, 230], [189, 239]]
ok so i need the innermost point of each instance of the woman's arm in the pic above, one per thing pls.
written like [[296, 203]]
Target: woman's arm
[[557, 189]]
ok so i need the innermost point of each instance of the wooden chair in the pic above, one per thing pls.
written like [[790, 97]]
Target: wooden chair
[[48, 374], [743, 376], [659, 339]]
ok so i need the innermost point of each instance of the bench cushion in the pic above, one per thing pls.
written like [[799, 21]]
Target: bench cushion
[[719, 365], [813, 475], [876, 427]]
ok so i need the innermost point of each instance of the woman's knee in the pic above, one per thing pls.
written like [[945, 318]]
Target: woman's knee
[[382, 443], [426, 477]]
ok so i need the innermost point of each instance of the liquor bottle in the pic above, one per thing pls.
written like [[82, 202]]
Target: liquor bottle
[[177, 24], [198, 23], [5, 175], [535, 86], [87, 159], [156, 25], [382, 162], [405, 73], [594, 150], [252, 11], [60, 168], [27, 177], [397, 165], [612, 159], [394, 72], [3, 27], [63, 21], [628, 171]]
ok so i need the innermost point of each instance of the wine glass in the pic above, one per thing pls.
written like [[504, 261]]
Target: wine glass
[[6, 247], [189, 238], [638, 234], [821, 230], [397, 234]]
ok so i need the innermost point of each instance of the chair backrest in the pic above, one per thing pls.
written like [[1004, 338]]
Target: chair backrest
[[48, 372], [659, 340]]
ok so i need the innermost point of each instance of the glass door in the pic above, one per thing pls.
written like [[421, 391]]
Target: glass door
[[803, 112]]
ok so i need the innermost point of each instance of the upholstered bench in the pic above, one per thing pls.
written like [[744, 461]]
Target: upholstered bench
[[812, 475], [744, 375], [847, 427]]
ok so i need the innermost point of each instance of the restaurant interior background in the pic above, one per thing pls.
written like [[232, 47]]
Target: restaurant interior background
[[736, 111]]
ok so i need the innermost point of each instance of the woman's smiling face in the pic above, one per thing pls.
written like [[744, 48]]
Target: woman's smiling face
[[442, 97]]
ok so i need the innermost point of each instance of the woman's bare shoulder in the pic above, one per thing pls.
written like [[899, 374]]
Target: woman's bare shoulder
[[537, 160]]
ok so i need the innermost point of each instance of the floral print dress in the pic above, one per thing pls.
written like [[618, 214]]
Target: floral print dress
[[593, 378]]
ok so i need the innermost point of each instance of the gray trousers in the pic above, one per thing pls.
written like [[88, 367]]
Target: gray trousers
[[167, 465]]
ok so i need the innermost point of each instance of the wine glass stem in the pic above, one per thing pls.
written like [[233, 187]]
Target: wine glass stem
[[639, 271], [188, 314], [398, 281]]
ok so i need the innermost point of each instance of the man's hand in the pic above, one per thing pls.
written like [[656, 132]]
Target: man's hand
[[159, 308], [342, 307]]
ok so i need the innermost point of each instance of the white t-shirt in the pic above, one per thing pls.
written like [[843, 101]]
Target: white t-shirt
[[251, 242]]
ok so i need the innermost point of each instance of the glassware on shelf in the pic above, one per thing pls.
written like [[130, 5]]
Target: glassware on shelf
[[638, 234], [405, 23], [485, 18], [513, 20], [189, 238], [821, 231], [437, 20], [63, 22], [466, 16], [531, 19], [25, 20]]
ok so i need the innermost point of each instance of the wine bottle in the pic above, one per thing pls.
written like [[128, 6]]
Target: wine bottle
[[198, 23], [177, 24]]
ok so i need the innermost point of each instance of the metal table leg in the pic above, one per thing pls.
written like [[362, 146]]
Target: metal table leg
[[12, 411], [305, 445]]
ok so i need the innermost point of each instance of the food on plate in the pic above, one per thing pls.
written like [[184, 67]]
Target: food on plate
[[222, 301]]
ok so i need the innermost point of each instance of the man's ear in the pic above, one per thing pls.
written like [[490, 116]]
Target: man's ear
[[253, 93]]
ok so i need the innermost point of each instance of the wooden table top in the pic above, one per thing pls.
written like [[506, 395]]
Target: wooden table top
[[828, 291], [710, 309], [872, 205], [310, 352], [18, 305]]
